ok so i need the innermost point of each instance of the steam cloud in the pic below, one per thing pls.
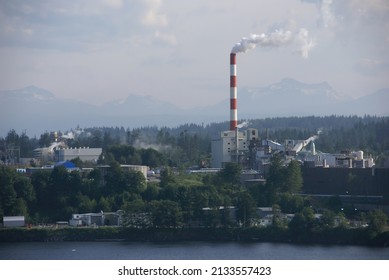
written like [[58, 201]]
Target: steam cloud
[[243, 124], [327, 18], [277, 38], [326, 13]]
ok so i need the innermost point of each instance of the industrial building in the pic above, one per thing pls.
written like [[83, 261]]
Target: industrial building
[[14, 221], [305, 152], [345, 159], [97, 219], [84, 154], [47, 154], [350, 176], [243, 146], [233, 146], [58, 151]]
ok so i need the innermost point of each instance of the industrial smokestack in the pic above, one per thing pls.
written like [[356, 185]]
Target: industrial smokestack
[[275, 39], [233, 93]]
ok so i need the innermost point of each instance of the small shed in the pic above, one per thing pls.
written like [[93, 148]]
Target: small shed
[[14, 221]]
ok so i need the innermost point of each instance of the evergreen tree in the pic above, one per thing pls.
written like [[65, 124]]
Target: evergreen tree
[[294, 178], [377, 221], [230, 174], [276, 176], [166, 213], [8, 195], [246, 208]]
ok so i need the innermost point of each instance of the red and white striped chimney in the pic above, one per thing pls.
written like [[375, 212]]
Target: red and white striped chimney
[[233, 93]]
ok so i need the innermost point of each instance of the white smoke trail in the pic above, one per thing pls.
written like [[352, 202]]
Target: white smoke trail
[[304, 42], [277, 38], [139, 144], [327, 18], [243, 124]]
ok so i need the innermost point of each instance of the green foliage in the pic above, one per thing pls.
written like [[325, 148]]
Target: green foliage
[[276, 176], [104, 204], [166, 213], [167, 177], [230, 174], [124, 154], [246, 208], [8, 194], [303, 222], [151, 192], [328, 219], [294, 178], [119, 180], [17, 194], [284, 178], [290, 203], [22, 143], [263, 194], [278, 220], [334, 203], [152, 158], [377, 221], [45, 140]]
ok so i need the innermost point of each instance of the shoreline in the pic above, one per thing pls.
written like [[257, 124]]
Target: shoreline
[[333, 236]]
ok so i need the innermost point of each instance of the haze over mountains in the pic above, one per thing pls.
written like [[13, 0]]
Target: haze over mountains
[[36, 110]]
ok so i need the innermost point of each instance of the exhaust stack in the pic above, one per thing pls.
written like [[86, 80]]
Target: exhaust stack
[[233, 93]]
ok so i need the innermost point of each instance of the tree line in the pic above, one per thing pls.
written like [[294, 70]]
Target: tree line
[[190, 144]]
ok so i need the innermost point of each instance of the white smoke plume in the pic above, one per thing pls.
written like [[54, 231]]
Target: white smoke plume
[[304, 42], [327, 17], [243, 124], [138, 144], [277, 38]]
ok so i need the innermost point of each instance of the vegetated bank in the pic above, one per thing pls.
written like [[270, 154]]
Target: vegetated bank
[[331, 236]]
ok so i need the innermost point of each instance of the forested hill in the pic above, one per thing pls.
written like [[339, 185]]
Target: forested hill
[[336, 133], [309, 125]]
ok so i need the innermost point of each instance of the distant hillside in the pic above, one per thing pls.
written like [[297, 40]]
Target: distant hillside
[[36, 110], [375, 104], [292, 98]]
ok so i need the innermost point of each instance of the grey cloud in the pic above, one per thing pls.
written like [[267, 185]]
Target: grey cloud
[[72, 25], [372, 67]]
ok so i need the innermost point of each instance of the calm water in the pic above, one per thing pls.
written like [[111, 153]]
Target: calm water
[[185, 251]]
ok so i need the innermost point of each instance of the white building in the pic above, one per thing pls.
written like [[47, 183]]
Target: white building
[[85, 154], [344, 160], [14, 221], [87, 219], [232, 146], [97, 219], [48, 153]]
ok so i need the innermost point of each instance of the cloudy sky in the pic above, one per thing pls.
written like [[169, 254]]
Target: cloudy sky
[[178, 50]]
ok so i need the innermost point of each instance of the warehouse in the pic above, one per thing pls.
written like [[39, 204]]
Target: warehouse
[[13, 221], [84, 154]]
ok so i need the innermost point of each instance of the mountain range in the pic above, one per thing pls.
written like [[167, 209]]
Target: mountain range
[[37, 110]]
